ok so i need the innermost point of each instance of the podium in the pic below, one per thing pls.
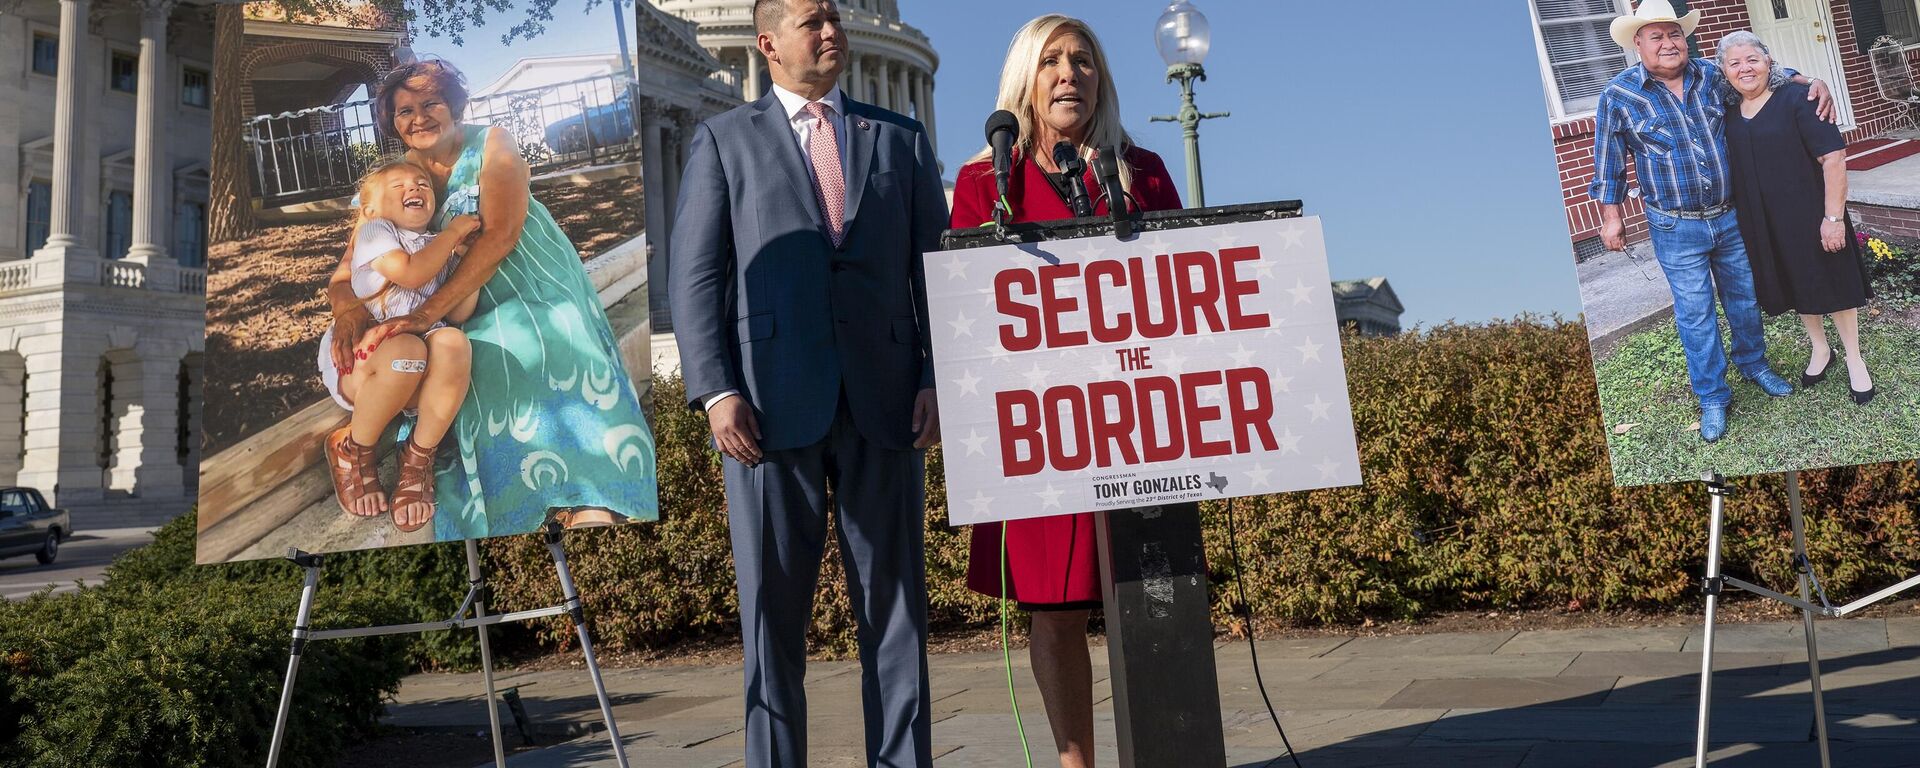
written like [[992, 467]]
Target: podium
[[1152, 558]]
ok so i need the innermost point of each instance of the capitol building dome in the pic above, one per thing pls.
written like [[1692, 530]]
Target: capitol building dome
[[892, 66]]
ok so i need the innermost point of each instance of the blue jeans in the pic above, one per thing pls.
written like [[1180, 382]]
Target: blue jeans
[[1699, 255]]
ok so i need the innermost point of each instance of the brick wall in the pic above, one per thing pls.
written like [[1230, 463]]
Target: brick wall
[[1897, 222], [1573, 139]]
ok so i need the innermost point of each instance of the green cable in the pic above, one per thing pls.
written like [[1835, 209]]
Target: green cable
[[1006, 654]]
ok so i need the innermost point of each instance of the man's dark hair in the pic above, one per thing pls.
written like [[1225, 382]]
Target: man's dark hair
[[767, 14]]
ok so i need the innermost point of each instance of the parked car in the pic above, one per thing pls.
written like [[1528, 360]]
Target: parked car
[[28, 525]]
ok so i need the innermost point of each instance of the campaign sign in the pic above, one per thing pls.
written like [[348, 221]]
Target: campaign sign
[[1181, 365]]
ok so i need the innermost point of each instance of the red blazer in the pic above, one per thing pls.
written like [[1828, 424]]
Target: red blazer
[[1033, 198], [1050, 560]]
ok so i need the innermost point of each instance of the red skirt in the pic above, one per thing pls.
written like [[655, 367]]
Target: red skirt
[[1050, 560]]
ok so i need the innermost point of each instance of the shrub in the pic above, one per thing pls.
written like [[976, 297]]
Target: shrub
[[181, 673], [1487, 485]]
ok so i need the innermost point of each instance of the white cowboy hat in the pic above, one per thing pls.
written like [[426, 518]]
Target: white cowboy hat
[[1652, 12]]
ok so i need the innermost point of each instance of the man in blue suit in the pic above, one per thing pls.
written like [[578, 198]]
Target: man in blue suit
[[799, 307]]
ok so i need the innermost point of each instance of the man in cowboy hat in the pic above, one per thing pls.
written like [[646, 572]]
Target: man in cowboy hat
[[1667, 111]]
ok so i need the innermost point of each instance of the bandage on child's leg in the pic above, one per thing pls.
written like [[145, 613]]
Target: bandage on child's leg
[[410, 366]]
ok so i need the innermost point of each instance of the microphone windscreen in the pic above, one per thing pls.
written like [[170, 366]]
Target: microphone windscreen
[[1002, 120]]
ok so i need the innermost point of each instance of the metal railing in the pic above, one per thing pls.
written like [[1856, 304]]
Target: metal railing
[[319, 153]]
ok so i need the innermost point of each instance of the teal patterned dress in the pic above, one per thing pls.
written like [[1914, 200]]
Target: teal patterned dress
[[552, 419]]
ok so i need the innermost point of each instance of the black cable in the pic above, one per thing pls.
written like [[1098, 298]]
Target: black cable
[[1240, 582]]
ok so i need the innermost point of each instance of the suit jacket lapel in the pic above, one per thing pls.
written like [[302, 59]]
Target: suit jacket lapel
[[860, 154], [777, 134]]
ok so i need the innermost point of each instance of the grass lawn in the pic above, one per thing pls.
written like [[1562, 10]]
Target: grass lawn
[[1652, 418]]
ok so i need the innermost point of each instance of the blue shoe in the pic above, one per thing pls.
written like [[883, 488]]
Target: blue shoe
[[1771, 383], [1713, 421]]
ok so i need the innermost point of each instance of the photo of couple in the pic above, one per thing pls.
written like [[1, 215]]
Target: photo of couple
[[463, 330], [1734, 171]]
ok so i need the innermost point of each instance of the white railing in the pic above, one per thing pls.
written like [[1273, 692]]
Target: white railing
[[192, 280], [120, 274], [16, 276]]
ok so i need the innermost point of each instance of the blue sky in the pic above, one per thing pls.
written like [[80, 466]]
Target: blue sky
[[1422, 143]]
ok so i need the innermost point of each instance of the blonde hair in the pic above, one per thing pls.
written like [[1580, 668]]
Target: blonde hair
[[1024, 54], [364, 191]]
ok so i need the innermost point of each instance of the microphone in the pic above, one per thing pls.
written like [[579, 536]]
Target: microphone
[[1002, 128], [1106, 167], [1072, 167]]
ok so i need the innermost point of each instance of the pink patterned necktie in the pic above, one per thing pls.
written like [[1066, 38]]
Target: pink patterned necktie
[[829, 185]]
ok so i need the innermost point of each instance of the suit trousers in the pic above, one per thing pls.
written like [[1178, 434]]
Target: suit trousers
[[778, 514]]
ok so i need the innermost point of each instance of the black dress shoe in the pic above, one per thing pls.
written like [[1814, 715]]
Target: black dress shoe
[[1861, 398], [1810, 379]]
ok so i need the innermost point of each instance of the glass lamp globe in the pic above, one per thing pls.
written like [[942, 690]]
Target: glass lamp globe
[[1182, 34]]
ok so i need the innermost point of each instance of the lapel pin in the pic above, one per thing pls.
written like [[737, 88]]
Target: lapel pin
[[863, 125]]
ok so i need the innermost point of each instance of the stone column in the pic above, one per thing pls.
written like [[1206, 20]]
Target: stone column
[[927, 105], [13, 380], [152, 185], [751, 89], [884, 96], [859, 90], [146, 459], [63, 419], [653, 181], [901, 95], [196, 371], [673, 140], [69, 132]]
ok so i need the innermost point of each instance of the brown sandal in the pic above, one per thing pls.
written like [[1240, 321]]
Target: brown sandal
[[415, 485], [354, 469]]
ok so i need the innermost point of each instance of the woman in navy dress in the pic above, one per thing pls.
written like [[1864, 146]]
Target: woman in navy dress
[[1790, 192]]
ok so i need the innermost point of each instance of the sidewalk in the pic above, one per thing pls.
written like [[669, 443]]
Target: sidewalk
[[1531, 699]]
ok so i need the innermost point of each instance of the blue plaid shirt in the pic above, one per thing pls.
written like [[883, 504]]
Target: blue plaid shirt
[[1679, 145]]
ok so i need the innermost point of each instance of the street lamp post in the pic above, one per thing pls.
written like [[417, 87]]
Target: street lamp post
[[1183, 38]]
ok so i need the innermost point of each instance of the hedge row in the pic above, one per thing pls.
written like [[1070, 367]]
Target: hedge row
[[160, 668], [1487, 486]]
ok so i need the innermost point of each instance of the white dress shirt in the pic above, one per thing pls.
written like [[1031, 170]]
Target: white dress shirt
[[803, 124]]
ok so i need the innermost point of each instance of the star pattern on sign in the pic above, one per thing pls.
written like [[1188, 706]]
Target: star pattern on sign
[[973, 441], [980, 503], [1211, 394], [1173, 363], [1226, 241], [1258, 475], [956, 267], [1308, 350], [1289, 442], [1318, 408], [1327, 468], [1242, 357], [1090, 251], [1301, 293], [1105, 363], [1037, 376], [969, 383], [962, 325], [1294, 236], [1000, 354], [1282, 382], [1264, 267], [1049, 497]]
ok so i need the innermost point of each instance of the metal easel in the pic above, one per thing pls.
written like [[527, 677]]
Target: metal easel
[[1714, 582], [478, 620]]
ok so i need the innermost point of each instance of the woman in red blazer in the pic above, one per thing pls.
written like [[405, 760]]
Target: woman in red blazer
[[1055, 82]]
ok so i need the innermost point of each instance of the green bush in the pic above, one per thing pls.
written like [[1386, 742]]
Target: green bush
[[417, 583], [182, 673], [1487, 485]]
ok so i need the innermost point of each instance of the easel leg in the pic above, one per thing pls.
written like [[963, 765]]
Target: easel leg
[[586, 642], [1805, 567], [300, 630], [1717, 490], [477, 582]]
